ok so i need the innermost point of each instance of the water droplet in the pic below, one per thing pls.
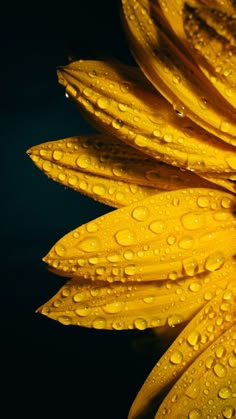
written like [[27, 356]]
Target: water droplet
[[224, 392], [128, 255], [157, 133], [62, 177], [157, 227], [193, 220], [122, 107], [99, 323], [66, 320], [140, 213], [203, 202], [113, 308], [209, 362], [140, 323], [149, 300], [71, 91], [83, 161], [214, 261], [171, 240], [117, 325], [83, 311], [60, 249], [220, 351], [72, 180], [195, 286], [130, 270], [47, 166], [176, 357], [79, 296], [193, 338], [57, 155], [117, 123], [190, 266], [226, 203], [232, 361], [99, 189], [92, 227], [168, 138], [89, 244], [125, 237], [195, 414], [103, 102], [228, 412], [219, 370]]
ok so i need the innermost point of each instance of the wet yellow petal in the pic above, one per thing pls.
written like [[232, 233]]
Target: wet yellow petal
[[171, 69], [120, 101], [108, 170], [193, 363], [138, 305], [209, 35], [169, 235]]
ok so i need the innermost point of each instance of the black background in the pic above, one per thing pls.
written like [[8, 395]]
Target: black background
[[47, 369]]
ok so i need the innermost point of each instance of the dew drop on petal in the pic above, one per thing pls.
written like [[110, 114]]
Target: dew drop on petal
[[125, 237], [60, 249], [99, 323], [193, 220], [176, 357], [214, 261], [228, 412], [140, 323], [140, 213], [89, 244], [219, 370], [57, 155], [157, 227], [224, 392]]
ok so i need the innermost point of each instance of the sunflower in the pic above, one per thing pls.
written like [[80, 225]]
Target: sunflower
[[165, 159]]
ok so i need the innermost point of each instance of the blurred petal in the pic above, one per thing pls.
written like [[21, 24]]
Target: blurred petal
[[193, 363], [138, 305], [119, 100], [168, 65], [108, 170], [168, 235]]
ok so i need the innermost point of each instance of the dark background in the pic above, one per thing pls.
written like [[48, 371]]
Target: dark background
[[50, 370]]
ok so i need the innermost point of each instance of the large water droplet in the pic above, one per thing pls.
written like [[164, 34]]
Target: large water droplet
[[157, 226], [125, 237], [219, 370], [140, 213], [214, 261], [176, 357], [193, 220], [89, 244], [224, 392], [57, 155]]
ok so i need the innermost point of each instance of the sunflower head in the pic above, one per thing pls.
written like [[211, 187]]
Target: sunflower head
[[164, 157]]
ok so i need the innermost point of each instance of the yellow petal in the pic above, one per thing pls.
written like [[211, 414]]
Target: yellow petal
[[209, 35], [169, 235], [121, 102], [108, 170], [194, 368], [140, 305], [167, 63]]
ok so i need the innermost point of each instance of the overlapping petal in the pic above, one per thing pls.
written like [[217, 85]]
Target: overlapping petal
[[168, 235], [138, 305], [120, 101], [108, 170], [169, 65], [198, 370]]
